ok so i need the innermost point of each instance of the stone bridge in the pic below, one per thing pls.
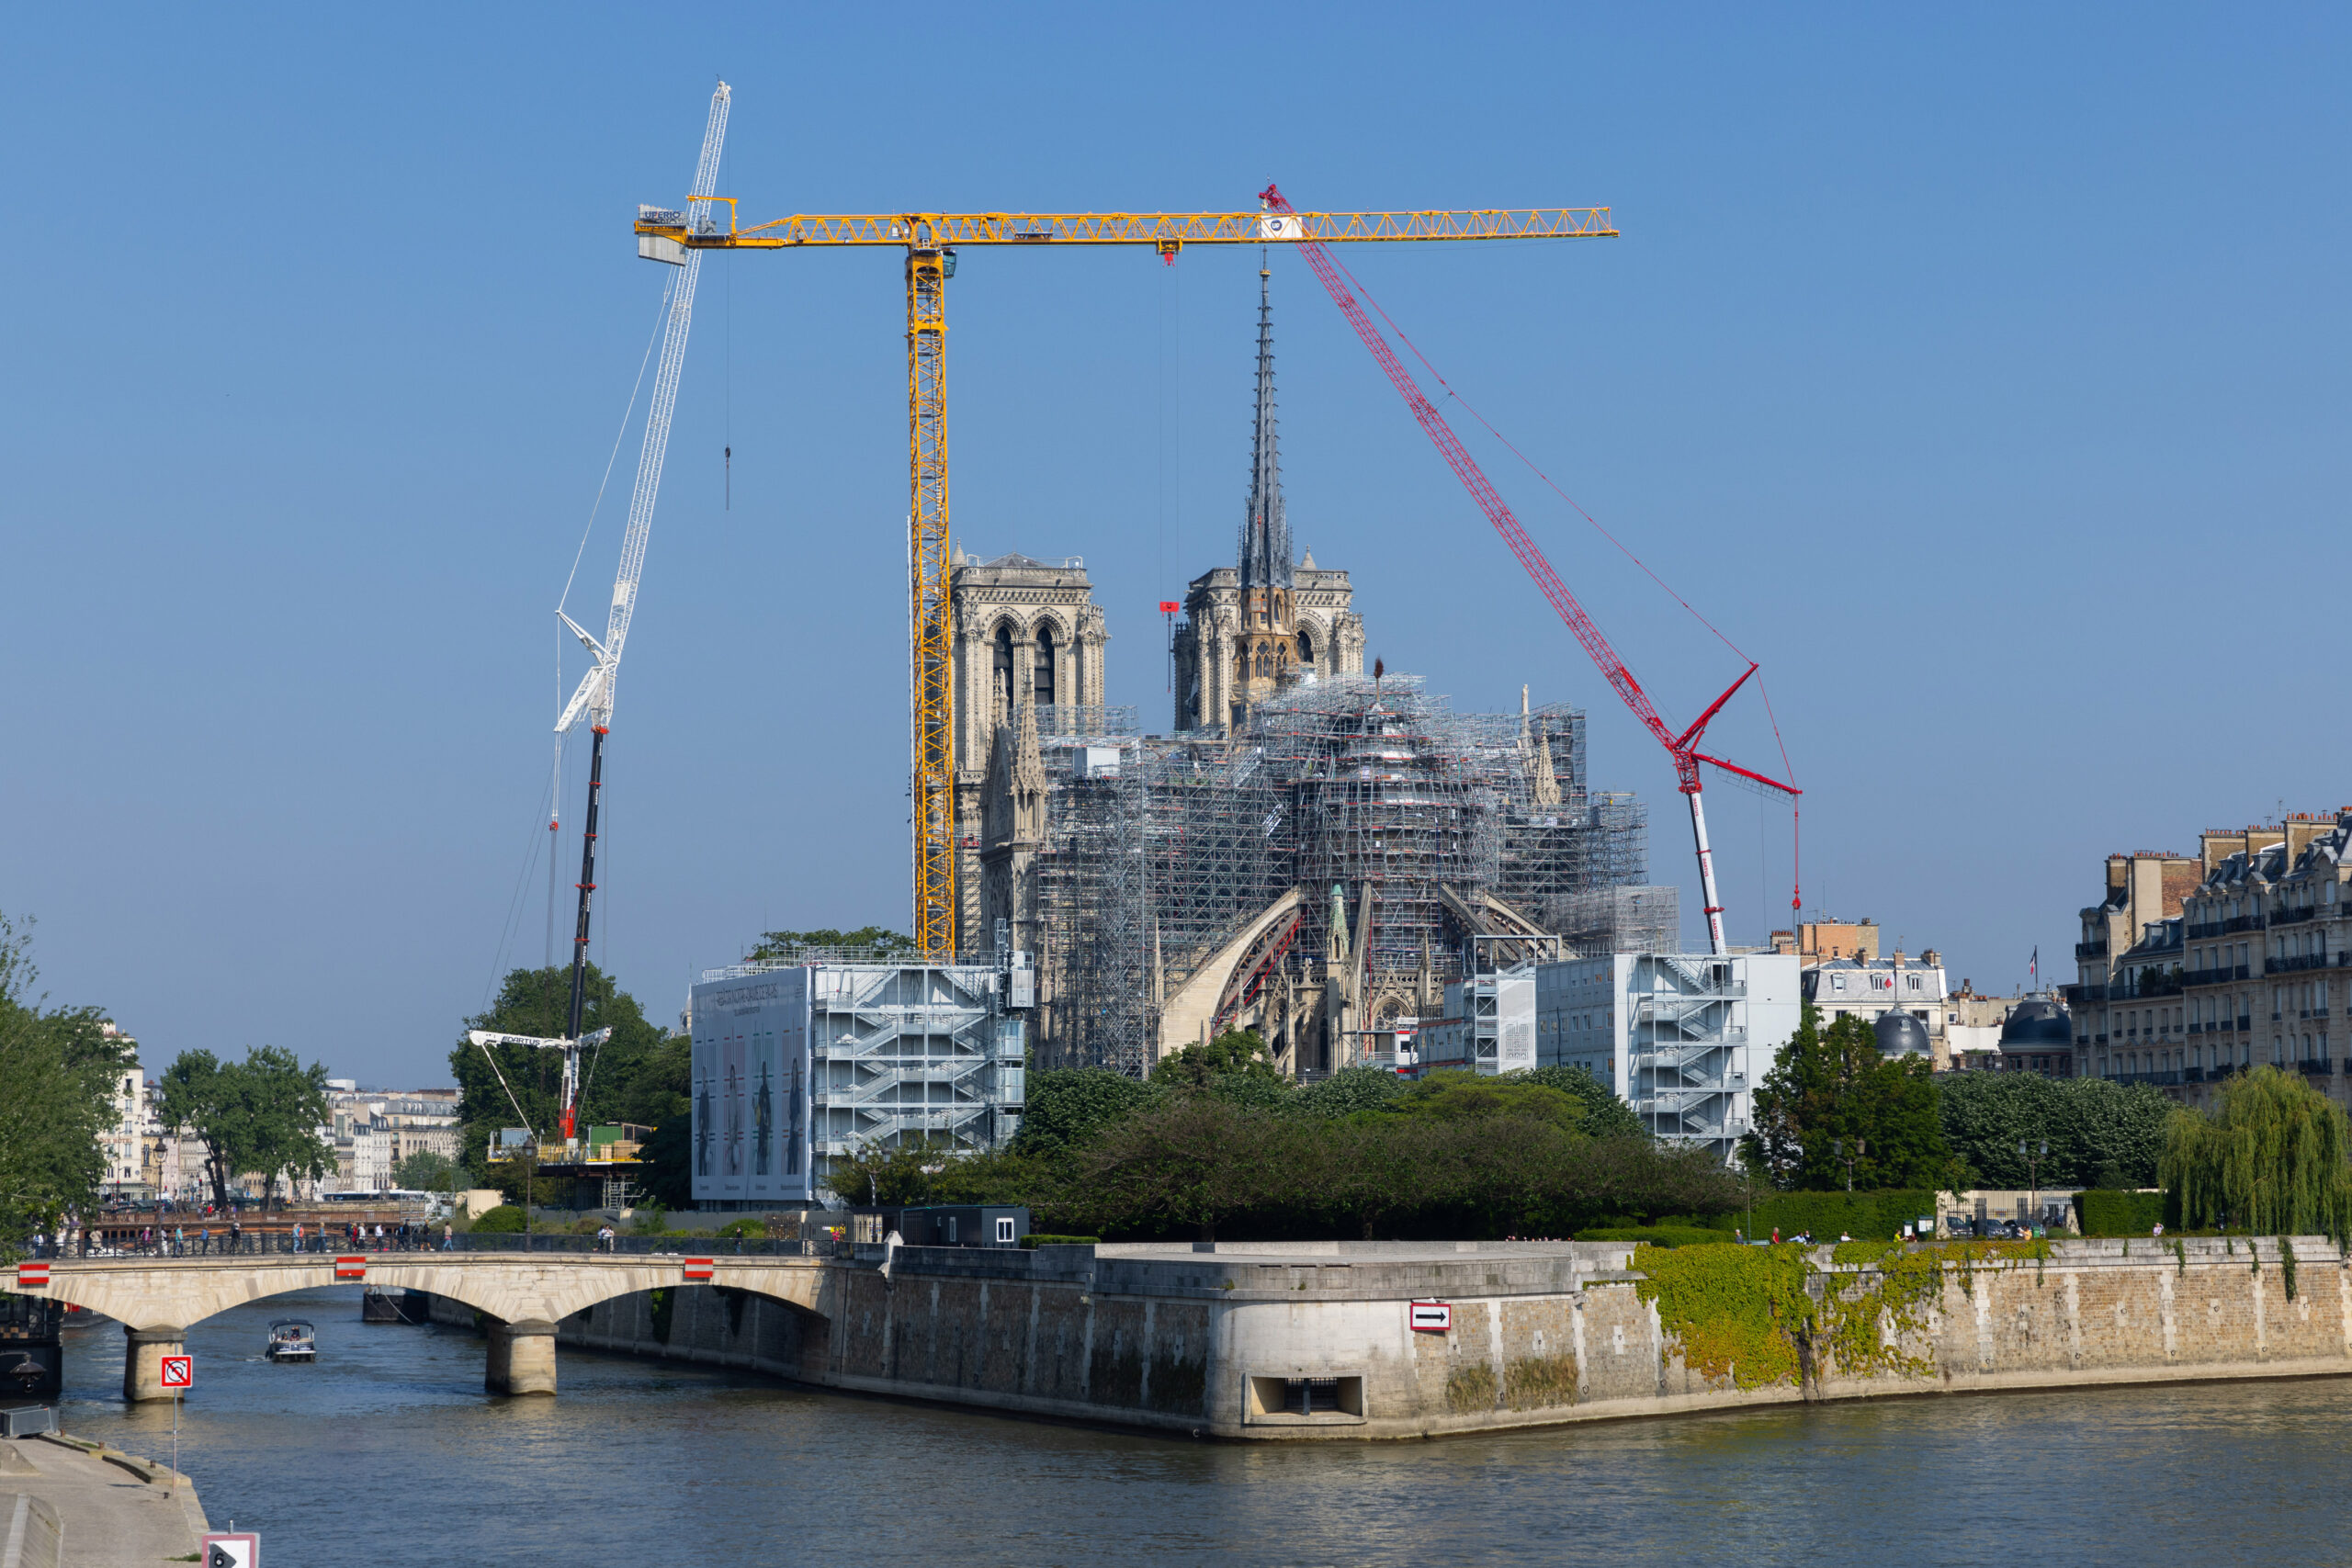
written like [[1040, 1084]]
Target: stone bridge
[[523, 1296]]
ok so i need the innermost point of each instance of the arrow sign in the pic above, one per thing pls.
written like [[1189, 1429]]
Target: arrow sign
[[179, 1371], [1429, 1317]]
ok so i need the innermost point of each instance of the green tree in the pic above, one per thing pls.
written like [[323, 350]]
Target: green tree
[[1605, 1115], [58, 1070], [2090, 1124], [1186, 1164], [1070, 1106], [1833, 1111], [894, 1176], [1236, 1053], [508, 1086], [2275, 1157], [1347, 1092], [778, 946], [425, 1171], [286, 1104], [1455, 1096], [262, 1115]]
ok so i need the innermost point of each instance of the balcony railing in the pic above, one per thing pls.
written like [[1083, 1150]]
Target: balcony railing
[[2292, 917], [2199, 933], [2294, 965], [2318, 1069], [2090, 950], [2242, 923]]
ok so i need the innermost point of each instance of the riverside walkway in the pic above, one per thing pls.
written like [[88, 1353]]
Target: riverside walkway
[[522, 1292], [104, 1509]]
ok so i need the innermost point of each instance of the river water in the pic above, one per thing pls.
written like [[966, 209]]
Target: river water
[[387, 1450]]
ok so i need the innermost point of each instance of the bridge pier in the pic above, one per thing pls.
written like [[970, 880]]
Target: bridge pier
[[143, 1361], [522, 1357]]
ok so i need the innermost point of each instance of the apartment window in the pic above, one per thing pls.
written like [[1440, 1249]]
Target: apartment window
[[1837, 982]]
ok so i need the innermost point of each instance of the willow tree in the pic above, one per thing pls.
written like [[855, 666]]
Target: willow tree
[[2274, 1158]]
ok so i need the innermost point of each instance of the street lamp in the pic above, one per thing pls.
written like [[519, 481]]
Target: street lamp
[[1837, 1151]]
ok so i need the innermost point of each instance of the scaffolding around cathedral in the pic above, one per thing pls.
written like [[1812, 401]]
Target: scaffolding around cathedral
[[1160, 849]]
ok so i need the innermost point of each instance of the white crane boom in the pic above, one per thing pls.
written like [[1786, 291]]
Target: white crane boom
[[594, 696]]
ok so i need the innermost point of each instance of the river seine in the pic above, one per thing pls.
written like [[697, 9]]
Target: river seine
[[387, 1450]]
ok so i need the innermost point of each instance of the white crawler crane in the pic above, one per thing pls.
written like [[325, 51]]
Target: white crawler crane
[[594, 700]]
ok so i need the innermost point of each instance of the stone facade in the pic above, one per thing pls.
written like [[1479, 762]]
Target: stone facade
[[2265, 940], [1025, 632]]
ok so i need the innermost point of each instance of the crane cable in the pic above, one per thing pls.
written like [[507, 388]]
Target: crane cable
[[1788, 770]]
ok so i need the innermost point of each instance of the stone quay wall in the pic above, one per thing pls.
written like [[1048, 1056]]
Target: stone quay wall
[[1229, 1342]]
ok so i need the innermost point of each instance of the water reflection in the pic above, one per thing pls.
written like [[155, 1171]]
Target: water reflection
[[388, 1445]]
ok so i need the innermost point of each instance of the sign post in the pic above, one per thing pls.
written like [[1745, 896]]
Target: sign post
[[178, 1375]]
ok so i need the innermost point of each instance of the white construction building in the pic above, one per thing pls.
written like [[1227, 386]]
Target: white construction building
[[1683, 1038], [797, 1065]]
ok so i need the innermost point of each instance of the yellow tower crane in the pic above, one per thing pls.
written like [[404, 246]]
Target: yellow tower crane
[[930, 240]]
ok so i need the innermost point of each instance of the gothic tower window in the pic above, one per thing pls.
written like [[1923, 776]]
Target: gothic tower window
[[1002, 695], [1044, 665], [1306, 649]]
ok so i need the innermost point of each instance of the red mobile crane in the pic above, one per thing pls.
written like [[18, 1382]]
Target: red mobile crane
[[1682, 748]]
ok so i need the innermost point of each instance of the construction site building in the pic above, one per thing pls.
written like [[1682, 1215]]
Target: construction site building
[[1314, 853], [1683, 1038], [828, 1051]]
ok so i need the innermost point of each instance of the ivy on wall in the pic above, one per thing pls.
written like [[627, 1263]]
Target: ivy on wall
[[1757, 1316]]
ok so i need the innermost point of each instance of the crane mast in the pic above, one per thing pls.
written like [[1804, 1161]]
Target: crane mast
[[930, 240], [593, 697], [1682, 748]]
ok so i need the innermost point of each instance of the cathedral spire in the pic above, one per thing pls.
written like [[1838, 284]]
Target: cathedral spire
[[1265, 534]]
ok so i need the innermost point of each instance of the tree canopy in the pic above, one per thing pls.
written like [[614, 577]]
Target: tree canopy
[[261, 1114], [2274, 1156], [1833, 1110], [58, 1068], [887, 944], [1216, 1143], [2090, 1124]]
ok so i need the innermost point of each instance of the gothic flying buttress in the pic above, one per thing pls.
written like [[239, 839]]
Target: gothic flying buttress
[[1265, 534]]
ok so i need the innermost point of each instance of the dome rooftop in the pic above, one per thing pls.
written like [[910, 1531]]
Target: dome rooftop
[[1900, 1034], [2035, 1025]]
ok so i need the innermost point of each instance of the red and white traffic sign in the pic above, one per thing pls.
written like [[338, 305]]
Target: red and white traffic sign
[[351, 1267], [698, 1269], [178, 1372], [33, 1274], [1429, 1317]]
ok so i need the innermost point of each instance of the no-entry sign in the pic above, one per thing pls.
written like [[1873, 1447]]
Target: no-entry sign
[[32, 1274], [351, 1267], [696, 1268], [179, 1371], [1429, 1317]]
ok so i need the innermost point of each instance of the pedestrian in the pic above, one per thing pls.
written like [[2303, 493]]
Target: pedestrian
[[448, 1239], [2160, 1227], [297, 1236]]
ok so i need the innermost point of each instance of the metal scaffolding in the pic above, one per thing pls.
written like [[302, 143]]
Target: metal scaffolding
[[1158, 849]]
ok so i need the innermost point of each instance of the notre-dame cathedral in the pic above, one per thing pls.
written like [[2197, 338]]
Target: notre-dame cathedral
[[1308, 852]]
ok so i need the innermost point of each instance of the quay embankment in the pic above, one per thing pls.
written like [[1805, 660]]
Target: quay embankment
[[1309, 1340], [69, 1501]]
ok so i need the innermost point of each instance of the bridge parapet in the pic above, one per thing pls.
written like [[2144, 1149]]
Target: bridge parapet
[[523, 1295]]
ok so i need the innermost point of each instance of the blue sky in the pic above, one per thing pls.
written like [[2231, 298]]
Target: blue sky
[[1980, 372]]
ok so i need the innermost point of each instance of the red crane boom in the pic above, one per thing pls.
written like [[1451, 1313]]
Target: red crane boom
[[1682, 748]]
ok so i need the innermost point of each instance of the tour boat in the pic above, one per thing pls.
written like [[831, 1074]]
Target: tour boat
[[292, 1339]]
